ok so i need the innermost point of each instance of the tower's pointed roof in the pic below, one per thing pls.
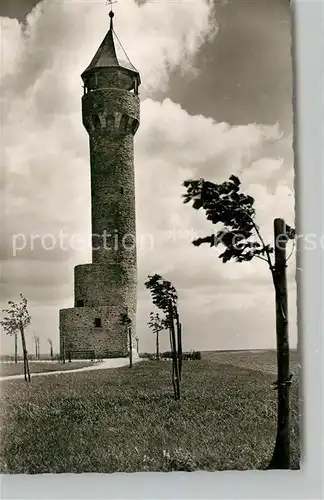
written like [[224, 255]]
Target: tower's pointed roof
[[111, 53]]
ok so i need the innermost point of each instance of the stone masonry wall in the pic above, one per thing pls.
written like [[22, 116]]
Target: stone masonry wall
[[80, 334], [107, 288]]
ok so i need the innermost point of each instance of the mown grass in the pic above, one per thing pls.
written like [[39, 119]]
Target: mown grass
[[7, 369], [127, 420], [265, 361]]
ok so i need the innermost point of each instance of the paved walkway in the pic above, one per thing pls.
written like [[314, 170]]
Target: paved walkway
[[102, 365]]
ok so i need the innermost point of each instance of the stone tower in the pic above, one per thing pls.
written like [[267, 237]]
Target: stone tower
[[106, 288]]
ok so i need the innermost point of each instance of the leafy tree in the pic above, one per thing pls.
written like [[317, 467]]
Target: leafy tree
[[162, 292], [157, 325], [51, 348], [36, 340], [242, 241], [165, 298], [16, 319]]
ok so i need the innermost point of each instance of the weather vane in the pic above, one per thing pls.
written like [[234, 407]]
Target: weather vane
[[110, 2]]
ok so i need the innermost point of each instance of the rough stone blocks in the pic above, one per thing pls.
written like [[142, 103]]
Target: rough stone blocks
[[107, 288]]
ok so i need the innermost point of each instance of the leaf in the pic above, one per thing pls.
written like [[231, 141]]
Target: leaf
[[162, 291], [235, 179], [17, 317], [290, 232]]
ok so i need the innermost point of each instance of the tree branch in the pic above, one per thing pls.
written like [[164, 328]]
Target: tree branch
[[261, 258], [293, 247]]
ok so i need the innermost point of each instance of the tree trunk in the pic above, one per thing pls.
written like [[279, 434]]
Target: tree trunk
[[175, 370], [38, 349], [281, 454], [52, 353], [16, 348], [130, 347], [157, 346], [26, 365]]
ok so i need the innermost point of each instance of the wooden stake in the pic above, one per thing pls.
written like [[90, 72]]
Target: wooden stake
[[26, 366], [281, 454], [157, 346], [179, 354], [16, 348], [175, 369]]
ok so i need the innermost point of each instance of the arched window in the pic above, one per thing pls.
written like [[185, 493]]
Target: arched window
[[96, 122], [123, 124], [135, 125], [110, 120]]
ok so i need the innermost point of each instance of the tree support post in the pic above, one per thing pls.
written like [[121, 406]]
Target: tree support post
[[157, 346], [175, 367], [25, 354], [16, 348], [179, 338], [281, 454]]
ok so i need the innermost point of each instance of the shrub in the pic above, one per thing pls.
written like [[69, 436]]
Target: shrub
[[192, 355], [147, 355]]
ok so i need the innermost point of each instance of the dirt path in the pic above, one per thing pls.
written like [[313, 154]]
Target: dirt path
[[104, 365]]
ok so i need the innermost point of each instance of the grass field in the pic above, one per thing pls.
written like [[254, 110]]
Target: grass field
[[7, 369], [127, 420], [265, 361]]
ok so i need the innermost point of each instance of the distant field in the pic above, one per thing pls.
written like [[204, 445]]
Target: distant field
[[7, 369], [265, 361], [126, 420]]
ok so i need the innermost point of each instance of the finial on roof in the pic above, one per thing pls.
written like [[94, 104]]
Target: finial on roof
[[111, 14], [111, 53]]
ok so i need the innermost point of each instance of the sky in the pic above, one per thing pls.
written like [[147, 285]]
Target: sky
[[216, 100]]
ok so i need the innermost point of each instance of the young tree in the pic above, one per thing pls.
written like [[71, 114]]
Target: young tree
[[17, 319], [127, 323], [36, 340], [162, 292], [157, 325], [137, 344], [51, 348], [165, 298], [224, 204]]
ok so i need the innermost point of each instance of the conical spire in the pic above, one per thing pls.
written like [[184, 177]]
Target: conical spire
[[111, 54]]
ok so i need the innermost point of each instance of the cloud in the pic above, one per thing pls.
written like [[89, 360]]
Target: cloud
[[45, 173]]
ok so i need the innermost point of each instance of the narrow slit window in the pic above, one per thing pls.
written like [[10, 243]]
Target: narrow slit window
[[96, 122], [97, 322]]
